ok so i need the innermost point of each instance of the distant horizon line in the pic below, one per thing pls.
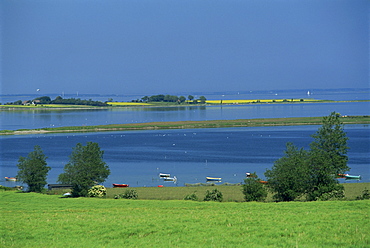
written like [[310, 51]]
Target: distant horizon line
[[78, 93]]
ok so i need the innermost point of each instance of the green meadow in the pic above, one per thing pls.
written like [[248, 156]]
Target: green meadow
[[40, 220]]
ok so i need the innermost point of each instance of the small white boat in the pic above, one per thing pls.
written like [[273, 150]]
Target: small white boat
[[164, 175], [170, 179], [13, 179], [215, 179]]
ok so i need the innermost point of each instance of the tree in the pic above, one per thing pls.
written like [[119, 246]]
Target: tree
[[85, 168], [33, 170], [328, 157], [312, 173], [190, 97], [253, 189], [182, 99], [202, 99], [289, 176], [43, 99]]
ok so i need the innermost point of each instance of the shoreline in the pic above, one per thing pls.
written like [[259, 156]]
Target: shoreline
[[262, 122], [169, 105]]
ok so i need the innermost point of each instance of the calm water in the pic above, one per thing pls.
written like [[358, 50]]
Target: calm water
[[137, 157], [13, 120]]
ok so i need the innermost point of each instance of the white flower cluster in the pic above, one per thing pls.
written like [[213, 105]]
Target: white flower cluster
[[97, 191]]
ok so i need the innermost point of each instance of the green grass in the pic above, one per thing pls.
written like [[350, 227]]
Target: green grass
[[37, 220], [230, 193]]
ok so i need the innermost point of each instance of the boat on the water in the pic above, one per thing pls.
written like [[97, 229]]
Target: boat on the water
[[13, 179], [170, 179], [164, 175], [119, 185], [349, 177], [215, 179]]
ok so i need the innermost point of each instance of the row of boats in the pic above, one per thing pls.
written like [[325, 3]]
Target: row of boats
[[167, 178]]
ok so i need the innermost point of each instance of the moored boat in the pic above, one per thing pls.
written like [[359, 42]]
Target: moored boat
[[352, 177], [349, 177], [164, 175], [170, 179], [119, 185], [13, 179], [217, 179]]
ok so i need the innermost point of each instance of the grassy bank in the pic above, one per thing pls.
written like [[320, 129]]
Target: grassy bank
[[230, 193], [36, 220], [193, 124]]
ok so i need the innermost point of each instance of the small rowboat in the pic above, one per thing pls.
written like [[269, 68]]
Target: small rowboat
[[216, 179], [118, 185], [352, 177], [13, 179], [164, 175], [349, 177], [170, 179]]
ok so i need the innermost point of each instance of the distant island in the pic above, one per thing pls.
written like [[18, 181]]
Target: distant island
[[155, 100]]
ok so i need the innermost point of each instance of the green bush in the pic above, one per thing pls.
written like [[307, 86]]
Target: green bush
[[97, 191], [365, 195], [129, 194], [5, 188], [214, 195], [191, 197], [253, 189]]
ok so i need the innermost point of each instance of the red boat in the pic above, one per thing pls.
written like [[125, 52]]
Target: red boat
[[118, 185]]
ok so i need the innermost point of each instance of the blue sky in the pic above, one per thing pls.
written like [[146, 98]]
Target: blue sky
[[169, 46]]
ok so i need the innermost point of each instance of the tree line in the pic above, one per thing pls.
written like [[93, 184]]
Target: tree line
[[172, 98], [299, 174], [58, 100]]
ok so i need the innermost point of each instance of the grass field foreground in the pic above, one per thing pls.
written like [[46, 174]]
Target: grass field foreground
[[37, 220]]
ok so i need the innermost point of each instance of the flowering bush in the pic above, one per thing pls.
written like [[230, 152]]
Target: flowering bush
[[97, 191]]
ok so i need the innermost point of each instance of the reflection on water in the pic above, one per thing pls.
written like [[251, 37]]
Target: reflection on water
[[12, 120]]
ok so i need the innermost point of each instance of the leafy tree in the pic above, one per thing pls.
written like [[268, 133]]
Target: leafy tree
[[313, 173], [202, 99], [44, 99], [182, 99], [33, 170], [85, 168], [289, 176], [327, 157], [253, 189], [145, 98], [190, 97]]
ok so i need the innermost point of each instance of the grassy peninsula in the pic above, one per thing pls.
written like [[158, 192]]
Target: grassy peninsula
[[263, 122]]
